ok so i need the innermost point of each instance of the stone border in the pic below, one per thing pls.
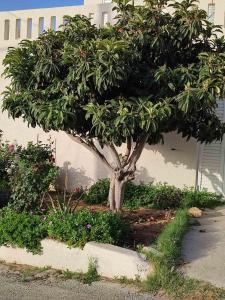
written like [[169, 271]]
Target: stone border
[[111, 261]]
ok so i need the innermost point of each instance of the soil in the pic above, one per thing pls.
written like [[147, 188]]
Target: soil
[[146, 224]]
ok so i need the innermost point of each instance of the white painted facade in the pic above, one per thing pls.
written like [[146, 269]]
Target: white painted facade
[[175, 162]]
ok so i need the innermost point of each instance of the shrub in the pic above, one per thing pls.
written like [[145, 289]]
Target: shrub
[[26, 230], [83, 226], [33, 172], [4, 193], [201, 199], [152, 196], [159, 196], [98, 192], [22, 230]]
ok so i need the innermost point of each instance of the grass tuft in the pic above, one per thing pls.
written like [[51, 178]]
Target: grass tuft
[[166, 276]]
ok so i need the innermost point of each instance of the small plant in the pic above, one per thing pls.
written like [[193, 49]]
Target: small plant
[[92, 273], [69, 275], [76, 229], [65, 202], [22, 230], [98, 192], [201, 199]]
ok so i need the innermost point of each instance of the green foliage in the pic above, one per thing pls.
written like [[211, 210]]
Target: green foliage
[[202, 199], [83, 226], [169, 241], [152, 196], [149, 74], [92, 273], [168, 245], [87, 278], [26, 230], [33, 171], [160, 196], [166, 276], [6, 159], [22, 230], [98, 192]]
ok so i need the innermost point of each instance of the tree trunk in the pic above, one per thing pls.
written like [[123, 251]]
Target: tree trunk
[[118, 183], [111, 198]]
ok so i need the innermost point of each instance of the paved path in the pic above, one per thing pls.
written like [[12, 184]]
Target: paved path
[[204, 248], [13, 288]]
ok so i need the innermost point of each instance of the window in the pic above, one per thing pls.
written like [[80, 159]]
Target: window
[[107, 1], [211, 12], [29, 28], [41, 26], [53, 23], [18, 29], [105, 18], [6, 30]]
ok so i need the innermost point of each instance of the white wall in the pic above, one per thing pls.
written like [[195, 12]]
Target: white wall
[[173, 163]]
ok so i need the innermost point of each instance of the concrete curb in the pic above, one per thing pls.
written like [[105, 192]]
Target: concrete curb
[[111, 261]]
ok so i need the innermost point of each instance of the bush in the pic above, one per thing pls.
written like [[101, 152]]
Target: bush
[[33, 171], [152, 196], [98, 192], [4, 193], [26, 230], [202, 199], [22, 230], [83, 226], [159, 196]]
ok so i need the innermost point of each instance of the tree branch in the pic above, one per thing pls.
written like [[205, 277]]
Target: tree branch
[[137, 151], [115, 155], [91, 147], [128, 150]]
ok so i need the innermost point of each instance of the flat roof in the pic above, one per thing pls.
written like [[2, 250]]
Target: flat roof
[[12, 5]]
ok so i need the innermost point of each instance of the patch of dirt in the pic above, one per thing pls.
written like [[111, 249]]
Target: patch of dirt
[[146, 224]]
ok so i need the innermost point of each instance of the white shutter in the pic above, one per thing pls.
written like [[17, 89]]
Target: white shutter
[[211, 167]]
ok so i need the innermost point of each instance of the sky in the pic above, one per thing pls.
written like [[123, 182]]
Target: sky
[[6, 5]]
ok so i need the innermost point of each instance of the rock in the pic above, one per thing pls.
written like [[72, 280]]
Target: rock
[[195, 212]]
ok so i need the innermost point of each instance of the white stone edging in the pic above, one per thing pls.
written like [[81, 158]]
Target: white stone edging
[[111, 261]]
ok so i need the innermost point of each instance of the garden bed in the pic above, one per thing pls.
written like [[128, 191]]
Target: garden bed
[[110, 261], [145, 224]]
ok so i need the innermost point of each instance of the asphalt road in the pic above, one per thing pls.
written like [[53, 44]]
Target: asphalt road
[[14, 287]]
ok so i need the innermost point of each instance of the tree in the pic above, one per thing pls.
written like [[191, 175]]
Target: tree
[[151, 73]]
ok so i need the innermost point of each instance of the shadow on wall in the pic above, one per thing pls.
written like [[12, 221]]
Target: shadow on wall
[[173, 163], [70, 177], [142, 176]]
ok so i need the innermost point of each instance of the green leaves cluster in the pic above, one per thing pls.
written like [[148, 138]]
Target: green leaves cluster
[[28, 173], [26, 230], [152, 72]]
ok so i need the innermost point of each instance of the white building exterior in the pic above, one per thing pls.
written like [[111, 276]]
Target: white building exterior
[[177, 162]]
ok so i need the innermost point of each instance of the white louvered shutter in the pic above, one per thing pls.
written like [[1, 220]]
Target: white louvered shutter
[[211, 168]]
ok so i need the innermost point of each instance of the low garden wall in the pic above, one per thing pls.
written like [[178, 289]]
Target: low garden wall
[[111, 261]]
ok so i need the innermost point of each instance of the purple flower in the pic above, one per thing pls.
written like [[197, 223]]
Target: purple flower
[[88, 226]]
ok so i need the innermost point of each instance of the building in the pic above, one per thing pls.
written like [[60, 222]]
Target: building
[[177, 162]]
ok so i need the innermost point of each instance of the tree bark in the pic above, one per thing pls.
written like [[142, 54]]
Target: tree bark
[[111, 198], [122, 170]]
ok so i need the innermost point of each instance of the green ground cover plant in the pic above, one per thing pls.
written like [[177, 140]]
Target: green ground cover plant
[[167, 258], [26, 230], [160, 196]]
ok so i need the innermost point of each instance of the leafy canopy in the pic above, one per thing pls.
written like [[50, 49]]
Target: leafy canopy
[[152, 72]]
